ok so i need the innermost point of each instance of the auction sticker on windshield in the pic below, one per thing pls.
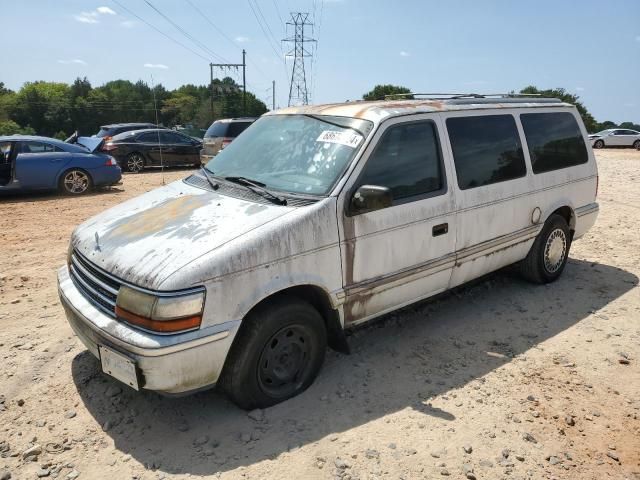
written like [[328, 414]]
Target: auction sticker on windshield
[[349, 139]]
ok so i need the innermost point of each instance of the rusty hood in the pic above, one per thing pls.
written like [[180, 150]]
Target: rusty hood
[[146, 239]]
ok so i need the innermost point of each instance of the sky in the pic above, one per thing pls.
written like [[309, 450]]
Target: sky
[[590, 48]]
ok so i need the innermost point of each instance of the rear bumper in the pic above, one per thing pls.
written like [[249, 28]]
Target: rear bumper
[[106, 175], [585, 218], [172, 364]]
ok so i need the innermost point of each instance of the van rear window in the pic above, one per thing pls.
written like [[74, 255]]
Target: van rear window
[[236, 128], [554, 141], [486, 149], [217, 129]]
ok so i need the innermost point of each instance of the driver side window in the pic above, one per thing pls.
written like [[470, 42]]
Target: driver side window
[[408, 161]]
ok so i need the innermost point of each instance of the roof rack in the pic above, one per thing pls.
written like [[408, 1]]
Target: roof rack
[[463, 95]]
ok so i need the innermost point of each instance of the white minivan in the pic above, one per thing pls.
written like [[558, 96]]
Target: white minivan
[[316, 219]]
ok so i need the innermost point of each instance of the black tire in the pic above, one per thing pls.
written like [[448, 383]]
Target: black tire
[[636, 144], [134, 162], [277, 354], [75, 181], [548, 255], [598, 144]]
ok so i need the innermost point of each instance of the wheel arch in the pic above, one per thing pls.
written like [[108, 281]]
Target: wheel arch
[[568, 214], [319, 298]]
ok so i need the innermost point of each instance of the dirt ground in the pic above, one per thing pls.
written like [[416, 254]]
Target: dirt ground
[[500, 379]]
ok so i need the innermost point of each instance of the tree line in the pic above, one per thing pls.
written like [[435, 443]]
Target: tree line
[[592, 125], [58, 109]]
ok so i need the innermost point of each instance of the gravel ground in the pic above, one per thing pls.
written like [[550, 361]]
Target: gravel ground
[[499, 379]]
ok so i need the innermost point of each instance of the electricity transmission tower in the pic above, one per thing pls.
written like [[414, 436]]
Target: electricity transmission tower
[[298, 93]]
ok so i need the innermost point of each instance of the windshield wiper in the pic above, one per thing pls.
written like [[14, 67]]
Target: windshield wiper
[[258, 187], [321, 119], [211, 181]]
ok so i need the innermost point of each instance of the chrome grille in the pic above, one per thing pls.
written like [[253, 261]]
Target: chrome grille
[[97, 286]]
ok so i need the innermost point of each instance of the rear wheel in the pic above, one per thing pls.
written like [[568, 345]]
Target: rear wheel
[[598, 144], [636, 144], [548, 255], [75, 182], [277, 355], [135, 162]]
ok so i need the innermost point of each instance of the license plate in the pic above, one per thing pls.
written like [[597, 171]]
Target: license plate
[[118, 366]]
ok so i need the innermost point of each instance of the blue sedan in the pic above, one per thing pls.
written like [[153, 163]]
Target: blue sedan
[[41, 163]]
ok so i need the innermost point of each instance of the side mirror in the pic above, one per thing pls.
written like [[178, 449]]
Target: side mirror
[[369, 198]]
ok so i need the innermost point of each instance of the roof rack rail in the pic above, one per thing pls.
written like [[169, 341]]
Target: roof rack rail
[[462, 95]]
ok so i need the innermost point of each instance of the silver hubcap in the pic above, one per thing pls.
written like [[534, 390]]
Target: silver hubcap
[[555, 250], [134, 163], [76, 182]]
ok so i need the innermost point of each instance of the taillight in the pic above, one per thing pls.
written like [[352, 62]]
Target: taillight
[[108, 147], [111, 162], [226, 141]]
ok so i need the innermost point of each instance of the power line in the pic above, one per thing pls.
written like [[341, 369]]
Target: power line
[[229, 39], [185, 33], [278, 55], [267, 25], [160, 31], [275, 4]]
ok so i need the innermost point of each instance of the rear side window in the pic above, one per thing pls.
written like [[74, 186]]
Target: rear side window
[[151, 137], [217, 129], [486, 150], [37, 147], [554, 141], [406, 160], [236, 128]]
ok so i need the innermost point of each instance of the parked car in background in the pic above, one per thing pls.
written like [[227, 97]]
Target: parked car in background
[[220, 134], [191, 131], [41, 163], [615, 137], [156, 147], [109, 131], [317, 219]]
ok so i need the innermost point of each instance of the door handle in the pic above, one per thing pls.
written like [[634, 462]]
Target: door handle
[[440, 229]]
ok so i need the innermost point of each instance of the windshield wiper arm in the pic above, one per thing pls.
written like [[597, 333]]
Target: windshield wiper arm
[[319, 118], [211, 181], [257, 187]]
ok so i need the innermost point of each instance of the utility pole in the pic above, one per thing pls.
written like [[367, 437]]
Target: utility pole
[[298, 93], [273, 95], [244, 79], [211, 86]]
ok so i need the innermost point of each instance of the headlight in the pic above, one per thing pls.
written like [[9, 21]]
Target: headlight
[[160, 313]]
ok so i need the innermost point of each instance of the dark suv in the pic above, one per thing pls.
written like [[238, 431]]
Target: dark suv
[[109, 131], [220, 134]]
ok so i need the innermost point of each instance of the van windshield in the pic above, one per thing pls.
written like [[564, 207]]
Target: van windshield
[[303, 154]]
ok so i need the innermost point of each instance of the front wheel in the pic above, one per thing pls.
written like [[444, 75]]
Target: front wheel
[[548, 255], [598, 144], [277, 355], [75, 182], [135, 162]]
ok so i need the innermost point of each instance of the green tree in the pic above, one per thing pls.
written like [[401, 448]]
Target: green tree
[[589, 122], [380, 91], [45, 106], [9, 127], [180, 108]]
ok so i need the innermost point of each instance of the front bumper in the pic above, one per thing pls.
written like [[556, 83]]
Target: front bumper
[[172, 364]]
